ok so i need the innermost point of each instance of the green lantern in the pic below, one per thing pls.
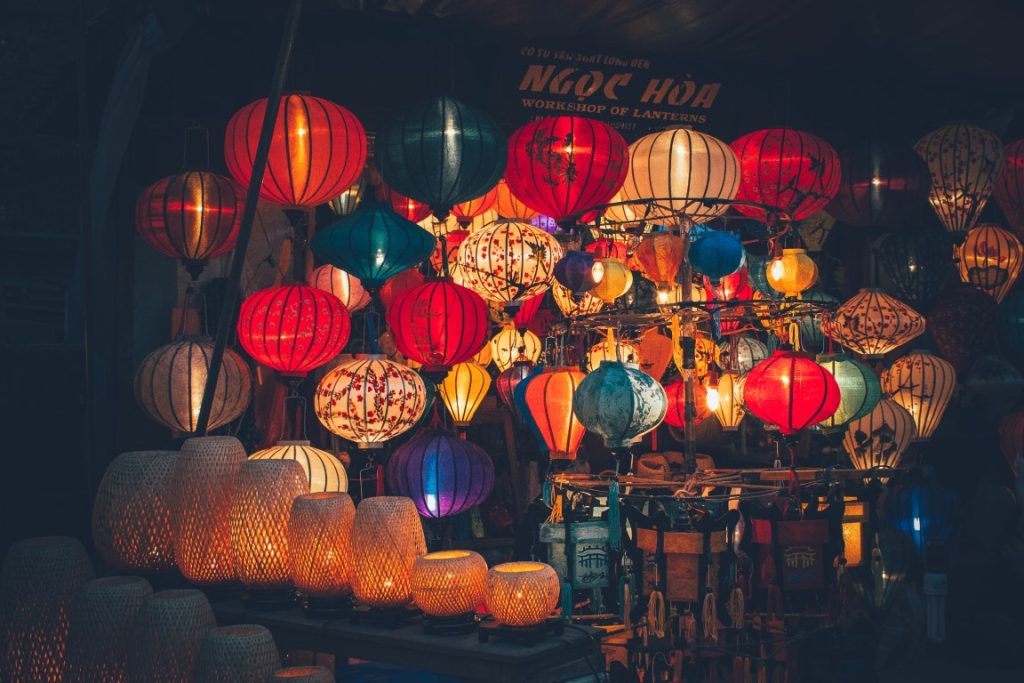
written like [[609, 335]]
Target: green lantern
[[859, 389], [620, 402]]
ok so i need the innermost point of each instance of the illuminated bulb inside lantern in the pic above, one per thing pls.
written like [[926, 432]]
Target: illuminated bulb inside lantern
[[876, 181], [664, 296], [912, 266], [378, 258], [451, 132], [597, 271], [777, 269], [300, 131], [713, 399], [917, 523]]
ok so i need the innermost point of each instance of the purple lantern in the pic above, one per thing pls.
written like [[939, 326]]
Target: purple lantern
[[545, 223]]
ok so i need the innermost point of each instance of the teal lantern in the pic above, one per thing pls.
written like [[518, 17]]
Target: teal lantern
[[441, 152], [620, 402], [758, 276], [716, 253], [811, 336], [859, 389], [373, 244]]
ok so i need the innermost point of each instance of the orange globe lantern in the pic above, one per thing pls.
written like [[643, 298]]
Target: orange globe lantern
[[509, 206], [660, 255], [465, 212], [549, 398], [990, 258]]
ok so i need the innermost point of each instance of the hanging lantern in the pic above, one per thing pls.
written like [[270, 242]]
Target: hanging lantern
[[791, 391], [786, 169], [452, 242], [740, 353], [620, 403], [438, 324], [676, 395], [873, 323], [792, 273], [510, 378], [815, 229], [655, 353], [508, 345], [396, 284], [923, 509], [621, 215], [1011, 323], [409, 209], [758, 275], [880, 184], [922, 384], [616, 279], [1011, 439], [348, 201], [570, 306], [608, 248], [955, 320], [1009, 187], [994, 385], [192, 216], [578, 272], [964, 162], [859, 389], [508, 261], [990, 258], [443, 474], [809, 326], [731, 287], [716, 253], [465, 212], [879, 439], [441, 152], [370, 400], [564, 166], [730, 410], [324, 472], [387, 536], [317, 151], [549, 398], [484, 356], [610, 348], [463, 390], [917, 263], [705, 352], [342, 285], [510, 207], [660, 255]]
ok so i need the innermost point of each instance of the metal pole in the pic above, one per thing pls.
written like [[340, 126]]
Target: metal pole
[[229, 310]]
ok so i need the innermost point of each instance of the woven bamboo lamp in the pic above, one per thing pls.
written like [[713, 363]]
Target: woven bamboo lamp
[[923, 384], [102, 617], [165, 641], [448, 586], [873, 323], [463, 390], [387, 537], [991, 259], [730, 410], [319, 530], [522, 593], [38, 583], [323, 471], [131, 516], [244, 653], [203, 485], [508, 345], [303, 674]]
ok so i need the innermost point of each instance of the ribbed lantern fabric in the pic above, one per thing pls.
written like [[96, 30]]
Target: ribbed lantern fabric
[[786, 169], [438, 324], [705, 352], [917, 264], [792, 273], [303, 674], [449, 583], [317, 151], [573, 307], [170, 382], [387, 537], [324, 472], [348, 201], [716, 253], [466, 211], [619, 402], [616, 279], [509, 206], [521, 593], [859, 389], [622, 214], [346, 287], [879, 438], [1009, 187], [881, 183], [406, 207], [740, 353], [510, 378], [131, 514], [964, 162], [676, 395], [462, 391], [609, 248], [508, 261], [923, 384], [442, 474], [549, 400], [396, 284], [810, 326], [730, 410], [873, 323], [165, 641], [103, 615], [242, 653], [660, 255], [319, 544], [509, 344], [293, 328], [991, 259], [791, 391]]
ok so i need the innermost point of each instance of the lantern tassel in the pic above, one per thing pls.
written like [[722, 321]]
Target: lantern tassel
[[709, 615], [736, 607], [614, 516]]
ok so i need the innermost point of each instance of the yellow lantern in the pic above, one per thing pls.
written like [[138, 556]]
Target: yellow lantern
[[655, 353], [873, 323], [613, 349], [792, 273], [879, 439], [572, 307], [323, 471], [990, 259], [923, 384], [705, 353], [319, 534], [509, 344], [508, 261], [729, 394], [616, 279], [463, 390], [483, 356]]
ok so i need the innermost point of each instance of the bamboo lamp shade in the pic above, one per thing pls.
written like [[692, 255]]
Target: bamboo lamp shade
[[449, 583], [259, 521], [167, 635], [923, 384], [549, 398], [442, 474], [387, 537], [676, 395], [881, 184], [466, 211], [660, 255], [463, 390], [990, 258], [620, 402], [170, 382], [346, 287], [879, 439], [102, 618], [324, 472], [303, 674], [131, 515], [509, 206], [39, 580], [510, 344], [616, 279], [873, 323], [730, 410], [859, 389], [572, 306], [792, 273], [656, 351], [203, 487], [243, 653], [438, 324], [1009, 187], [319, 534], [508, 261], [791, 391], [622, 350], [522, 593]]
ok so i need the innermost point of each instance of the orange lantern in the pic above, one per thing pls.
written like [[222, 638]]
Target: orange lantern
[[676, 393], [509, 206], [463, 390], [990, 259], [660, 255], [467, 211], [387, 537], [521, 593], [655, 353], [549, 398]]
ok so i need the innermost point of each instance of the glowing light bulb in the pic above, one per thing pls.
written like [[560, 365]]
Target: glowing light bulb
[[876, 181], [597, 271], [777, 269], [378, 258], [713, 399], [663, 296], [300, 131]]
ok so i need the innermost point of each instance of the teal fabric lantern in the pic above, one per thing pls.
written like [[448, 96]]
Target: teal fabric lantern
[[716, 253], [811, 336], [859, 390], [759, 276], [441, 152], [620, 402], [373, 244]]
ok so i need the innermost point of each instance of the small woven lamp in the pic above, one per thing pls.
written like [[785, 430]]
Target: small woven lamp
[[131, 517], [166, 637], [448, 586], [319, 530], [522, 593], [387, 537], [244, 653], [38, 582], [303, 674], [102, 617]]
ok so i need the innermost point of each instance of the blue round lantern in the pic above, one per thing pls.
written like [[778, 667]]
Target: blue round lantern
[[620, 402], [716, 253], [925, 510], [575, 272]]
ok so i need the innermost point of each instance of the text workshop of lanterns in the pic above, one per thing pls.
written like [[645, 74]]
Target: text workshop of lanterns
[[424, 382]]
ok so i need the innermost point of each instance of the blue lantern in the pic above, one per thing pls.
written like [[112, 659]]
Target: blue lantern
[[520, 407], [716, 253], [575, 272], [620, 402], [925, 510]]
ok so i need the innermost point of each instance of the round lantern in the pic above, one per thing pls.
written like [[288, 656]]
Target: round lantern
[[616, 279], [342, 285], [293, 328], [758, 275], [923, 384], [409, 209], [442, 474], [511, 344], [450, 583], [170, 383], [463, 390], [466, 211], [716, 253], [610, 348], [954, 321], [578, 272], [573, 307], [510, 378], [191, 216], [786, 169], [508, 261], [324, 472], [660, 255], [1011, 438], [873, 323], [319, 545], [792, 273], [1009, 187], [370, 400], [510, 207], [549, 398], [685, 171], [317, 151], [917, 263], [676, 395], [809, 326], [990, 259], [387, 537], [879, 439], [522, 593], [438, 324], [621, 214], [880, 184], [859, 389], [740, 353], [730, 410], [619, 402], [564, 166], [790, 390], [441, 151], [731, 287], [655, 353], [964, 162]]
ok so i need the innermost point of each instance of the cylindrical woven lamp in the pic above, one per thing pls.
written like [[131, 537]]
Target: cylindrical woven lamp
[[923, 384], [102, 617], [448, 586], [303, 674], [203, 486], [38, 582], [165, 640], [244, 653], [131, 516], [319, 533], [387, 537], [522, 593], [323, 471]]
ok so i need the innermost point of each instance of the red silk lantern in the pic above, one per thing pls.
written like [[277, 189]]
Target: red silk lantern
[[788, 169], [397, 284], [438, 324], [564, 166], [731, 287], [790, 390], [409, 209], [1009, 189], [293, 328], [528, 311], [317, 151], [676, 393], [467, 211], [549, 398], [608, 248]]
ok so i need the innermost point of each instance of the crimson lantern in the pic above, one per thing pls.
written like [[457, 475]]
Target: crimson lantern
[[409, 209], [790, 390], [676, 393]]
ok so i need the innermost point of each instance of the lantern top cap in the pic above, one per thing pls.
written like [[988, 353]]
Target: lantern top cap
[[301, 442], [370, 356]]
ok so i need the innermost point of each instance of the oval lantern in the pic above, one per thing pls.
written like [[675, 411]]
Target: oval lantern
[[788, 170], [346, 287], [873, 323], [465, 212], [1009, 187], [406, 207], [549, 399], [675, 393], [619, 402], [730, 410], [917, 263], [510, 207], [879, 439], [740, 353], [964, 162], [1011, 439], [660, 255], [922, 384], [317, 151], [881, 183], [510, 378], [573, 307], [508, 261], [791, 391], [616, 279], [955, 320], [859, 389], [324, 472], [990, 259], [578, 272], [442, 473], [792, 273], [610, 348], [463, 390], [716, 253], [655, 353], [438, 324], [293, 328], [441, 151], [510, 344]]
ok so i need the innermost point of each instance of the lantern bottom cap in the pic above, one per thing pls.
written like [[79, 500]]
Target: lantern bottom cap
[[562, 455], [364, 446], [730, 429]]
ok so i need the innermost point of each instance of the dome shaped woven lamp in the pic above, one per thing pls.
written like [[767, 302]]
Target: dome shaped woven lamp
[[442, 474], [792, 273], [170, 382], [463, 390], [203, 486], [102, 617], [573, 307], [881, 183], [39, 580], [879, 439], [791, 391], [730, 410], [448, 586], [319, 536], [324, 472], [923, 385], [1009, 187], [859, 389], [303, 674], [510, 344], [522, 593], [131, 514], [620, 402], [508, 261], [549, 400], [873, 323], [438, 324], [165, 640], [387, 537], [991, 259], [347, 288], [242, 653]]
